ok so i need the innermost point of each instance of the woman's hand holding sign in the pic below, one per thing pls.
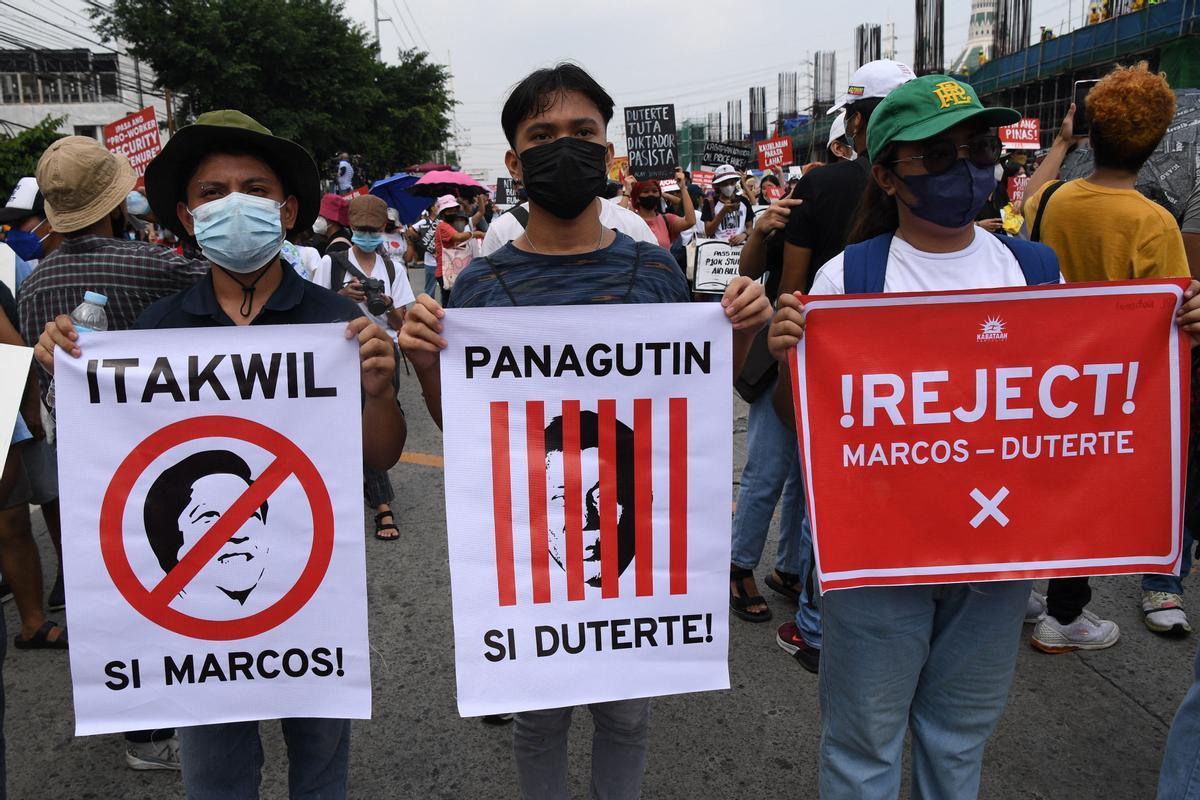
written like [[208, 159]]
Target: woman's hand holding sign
[[421, 340], [1188, 317], [787, 329]]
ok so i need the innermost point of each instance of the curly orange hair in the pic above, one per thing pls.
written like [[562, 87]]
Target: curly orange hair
[[1129, 111]]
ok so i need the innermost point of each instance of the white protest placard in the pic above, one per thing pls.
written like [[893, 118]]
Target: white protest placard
[[212, 526], [14, 370], [716, 265], [587, 502]]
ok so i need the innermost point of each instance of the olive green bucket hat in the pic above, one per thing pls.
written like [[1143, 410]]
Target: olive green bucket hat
[[212, 132], [927, 106]]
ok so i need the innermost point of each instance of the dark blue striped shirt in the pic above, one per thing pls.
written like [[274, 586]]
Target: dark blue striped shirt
[[624, 272]]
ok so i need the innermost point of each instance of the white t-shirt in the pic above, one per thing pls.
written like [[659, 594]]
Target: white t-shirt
[[984, 264], [731, 224], [395, 246], [400, 291], [504, 228]]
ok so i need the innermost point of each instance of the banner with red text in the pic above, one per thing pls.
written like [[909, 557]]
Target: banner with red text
[[1023, 135], [136, 137], [994, 435], [588, 456]]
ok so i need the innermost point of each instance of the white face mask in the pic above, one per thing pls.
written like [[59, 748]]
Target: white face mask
[[999, 172], [320, 226], [727, 190]]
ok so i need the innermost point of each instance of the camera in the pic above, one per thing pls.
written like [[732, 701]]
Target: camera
[[374, 289]]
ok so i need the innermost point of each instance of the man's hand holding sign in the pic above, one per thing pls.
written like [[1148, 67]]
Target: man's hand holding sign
[[993, 434]]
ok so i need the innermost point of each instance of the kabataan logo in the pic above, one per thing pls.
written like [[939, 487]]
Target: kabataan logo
[[992, 329]]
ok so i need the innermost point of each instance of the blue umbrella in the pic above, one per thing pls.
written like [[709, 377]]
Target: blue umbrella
[[393, 191]]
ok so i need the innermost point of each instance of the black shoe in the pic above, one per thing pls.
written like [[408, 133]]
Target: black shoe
[[57, 600], [5, 592], [497, 719], [788, 637]]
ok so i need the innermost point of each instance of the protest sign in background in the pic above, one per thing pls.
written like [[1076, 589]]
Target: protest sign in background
[[213, 535], [136, 137], [702, 178], [1023, 135], [14, 369], [650, 141], [1016, 188], [587, 502], [735, 154], [506, 192], [774, 152], [619, 168], [716, 265], [1034, 432]]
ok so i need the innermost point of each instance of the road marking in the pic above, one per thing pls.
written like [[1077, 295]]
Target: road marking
[[423, 459]]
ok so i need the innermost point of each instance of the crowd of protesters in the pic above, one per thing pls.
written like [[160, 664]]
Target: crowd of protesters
[[233, 229]]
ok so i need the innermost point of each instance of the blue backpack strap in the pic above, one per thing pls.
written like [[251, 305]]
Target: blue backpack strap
[[864, 265], [1038, 262]]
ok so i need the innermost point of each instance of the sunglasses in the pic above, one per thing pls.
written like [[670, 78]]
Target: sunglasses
[[940, 154]]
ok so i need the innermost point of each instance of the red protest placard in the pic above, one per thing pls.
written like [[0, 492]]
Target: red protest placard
[[135, 136], [774, 152], [772, 192], [1016, 188], [702, 178], [1024, 135], [994, 435]]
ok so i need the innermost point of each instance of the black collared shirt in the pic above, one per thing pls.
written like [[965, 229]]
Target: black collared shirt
[[294, 301]]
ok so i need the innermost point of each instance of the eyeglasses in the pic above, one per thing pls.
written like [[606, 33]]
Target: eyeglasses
[[939, 155]]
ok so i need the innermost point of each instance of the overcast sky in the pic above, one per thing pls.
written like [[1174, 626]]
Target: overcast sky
[[696, 54]]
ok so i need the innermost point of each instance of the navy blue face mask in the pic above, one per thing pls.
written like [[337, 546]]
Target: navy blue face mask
[[954, 198], [25, 244]]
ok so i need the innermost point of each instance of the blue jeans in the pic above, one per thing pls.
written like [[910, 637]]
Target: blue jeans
[[619, 746], [1180, 775], [808, 610], [224, 762], [431, 280], [1171, 583], [934, 659], [772, 469]]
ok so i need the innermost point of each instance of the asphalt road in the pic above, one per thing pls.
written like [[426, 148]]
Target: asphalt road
[[1076, 726]]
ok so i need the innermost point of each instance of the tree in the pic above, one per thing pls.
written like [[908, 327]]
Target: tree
[[19, 154], [300, 67]]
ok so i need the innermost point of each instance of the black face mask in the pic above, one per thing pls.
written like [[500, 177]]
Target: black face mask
[[565, 176], [648, 203]]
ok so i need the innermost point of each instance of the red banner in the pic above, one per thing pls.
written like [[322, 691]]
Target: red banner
[[994, 435], [1016, 189], [1024, 135], [702, 178], [135, 136], [774, 152]]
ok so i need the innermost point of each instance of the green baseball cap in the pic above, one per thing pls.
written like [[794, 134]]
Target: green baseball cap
[[168, 173], [927, 106]]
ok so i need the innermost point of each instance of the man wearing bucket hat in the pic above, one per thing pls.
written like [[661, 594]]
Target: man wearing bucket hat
[[235, 188], [936, 661]]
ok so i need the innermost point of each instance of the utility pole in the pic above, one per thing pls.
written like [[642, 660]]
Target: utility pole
[[170, 112], [137, 76], [378, 19]]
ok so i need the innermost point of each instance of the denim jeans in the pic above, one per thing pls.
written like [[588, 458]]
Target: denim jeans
[[224, 762], [772, 468], [1172, 583], [431, 283], [937, 660], [1180, 775], [808, 610], [619, 744]]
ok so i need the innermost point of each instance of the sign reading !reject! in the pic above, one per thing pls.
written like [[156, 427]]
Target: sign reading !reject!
[[994, 435]]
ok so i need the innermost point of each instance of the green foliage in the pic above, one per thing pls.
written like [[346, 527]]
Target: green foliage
[[300, 67], [19, 154]]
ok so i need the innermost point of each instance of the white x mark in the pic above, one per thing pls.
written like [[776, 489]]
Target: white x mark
[[989, 507]]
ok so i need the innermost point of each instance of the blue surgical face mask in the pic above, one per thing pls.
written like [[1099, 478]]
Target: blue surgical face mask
[[367, 242], [25, 244], [239, 232], [954, 198]]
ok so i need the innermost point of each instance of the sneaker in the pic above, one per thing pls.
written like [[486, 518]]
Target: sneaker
[[1035, 608], [1164, 613], [789, 638], [57, 600], [5, 592], [1086, 632], [163, 754], [497, 719]]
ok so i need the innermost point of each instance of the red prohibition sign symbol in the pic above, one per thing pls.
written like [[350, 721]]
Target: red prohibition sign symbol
[[154, 603]]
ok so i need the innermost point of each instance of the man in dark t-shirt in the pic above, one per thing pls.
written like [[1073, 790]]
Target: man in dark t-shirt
[[555, 121]]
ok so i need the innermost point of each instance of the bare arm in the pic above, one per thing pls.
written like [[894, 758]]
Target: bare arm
[[1050, 167], [1191, 245], [797, 261], [688, 220], [753, 260]]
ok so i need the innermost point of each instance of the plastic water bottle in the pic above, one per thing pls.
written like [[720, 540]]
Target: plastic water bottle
[[87, 317]]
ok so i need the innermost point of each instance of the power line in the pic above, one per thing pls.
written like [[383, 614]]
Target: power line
[[417, 25]]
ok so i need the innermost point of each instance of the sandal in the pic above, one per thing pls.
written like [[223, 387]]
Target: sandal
[[738, 604], [41, 640], [380, 527], [785, 583]]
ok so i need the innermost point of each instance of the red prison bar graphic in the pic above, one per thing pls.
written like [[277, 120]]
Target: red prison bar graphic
[[607, 515]]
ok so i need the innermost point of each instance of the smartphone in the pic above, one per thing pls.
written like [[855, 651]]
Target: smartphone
[[1080, 126]]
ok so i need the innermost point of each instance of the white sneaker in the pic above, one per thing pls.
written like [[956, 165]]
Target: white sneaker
[[162, 754], [1164, 613], [1085, 632], [1035, 608]]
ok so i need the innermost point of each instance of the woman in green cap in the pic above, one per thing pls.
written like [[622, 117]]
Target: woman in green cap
[[934, 659]]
